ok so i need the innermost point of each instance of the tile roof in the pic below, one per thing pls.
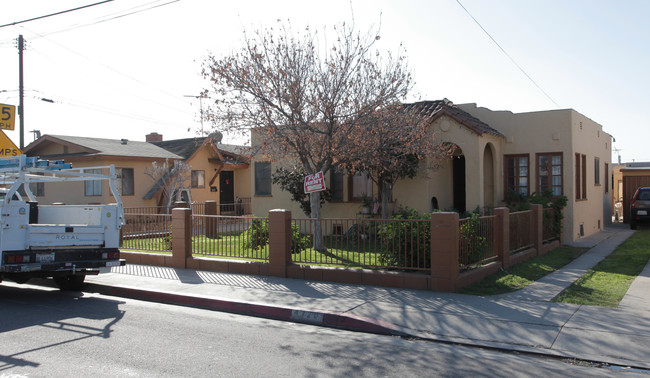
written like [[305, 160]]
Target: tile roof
[[438, 108], [107, 147]]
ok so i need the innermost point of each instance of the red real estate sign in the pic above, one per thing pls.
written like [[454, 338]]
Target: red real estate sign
[[314, 183]]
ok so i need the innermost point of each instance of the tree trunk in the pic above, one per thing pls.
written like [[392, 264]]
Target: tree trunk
[[386, 191], [317, 231]]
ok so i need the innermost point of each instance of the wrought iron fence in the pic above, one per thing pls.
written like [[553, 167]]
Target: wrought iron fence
[[362, 243], [475, 241], [147, 232], [230, 237], [520, 223]]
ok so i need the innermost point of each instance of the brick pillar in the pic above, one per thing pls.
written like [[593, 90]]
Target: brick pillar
[[211, 221], [537, 227], [279, 242], [181, 237], [502, 236], [444, 251]]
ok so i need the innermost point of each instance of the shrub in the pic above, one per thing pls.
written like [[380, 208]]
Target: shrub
[[405, 244], [257, 235], [471, 244]]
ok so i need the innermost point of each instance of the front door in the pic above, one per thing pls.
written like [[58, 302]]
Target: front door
[[226, 191]]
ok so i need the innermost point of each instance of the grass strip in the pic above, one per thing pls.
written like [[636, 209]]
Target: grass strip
[[523, 274], [607, 282]]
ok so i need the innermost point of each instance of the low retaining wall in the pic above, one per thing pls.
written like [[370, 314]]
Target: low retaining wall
[[444, 274]]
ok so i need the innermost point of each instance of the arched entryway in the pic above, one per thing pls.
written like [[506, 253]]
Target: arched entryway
[[488, 177], [459, 180]]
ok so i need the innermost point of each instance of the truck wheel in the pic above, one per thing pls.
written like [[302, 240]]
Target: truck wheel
[[70, 283], [633, 225]]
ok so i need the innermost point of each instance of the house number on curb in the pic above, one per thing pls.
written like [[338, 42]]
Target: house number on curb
[[306, 316]]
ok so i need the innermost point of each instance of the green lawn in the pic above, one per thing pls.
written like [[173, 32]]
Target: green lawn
[[607, 282], [341, 252], [525, 273]]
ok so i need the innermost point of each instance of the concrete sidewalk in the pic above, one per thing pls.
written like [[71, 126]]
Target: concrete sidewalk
[[524, 321]]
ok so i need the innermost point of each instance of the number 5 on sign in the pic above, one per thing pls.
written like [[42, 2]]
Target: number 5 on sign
[[7, 116]]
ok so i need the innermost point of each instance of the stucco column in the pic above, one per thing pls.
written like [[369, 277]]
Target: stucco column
[[537, 227], [444, 251], [502, 235], [181, 237], [279, 242]]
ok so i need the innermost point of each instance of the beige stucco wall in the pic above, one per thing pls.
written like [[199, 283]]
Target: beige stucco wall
[[565, 131], [199, 162], [73, 193], [438, 182], [417, 192]]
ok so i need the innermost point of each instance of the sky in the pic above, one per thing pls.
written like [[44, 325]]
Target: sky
[[126, 68]]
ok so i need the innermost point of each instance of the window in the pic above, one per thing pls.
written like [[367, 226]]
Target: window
[[336, 185], [607, 178], [360, 186], [516, 168], [94, 187], [198, 179], [125, 181], [581, 177], [38, 188], [596, 171], [262, 178], [549, 173]]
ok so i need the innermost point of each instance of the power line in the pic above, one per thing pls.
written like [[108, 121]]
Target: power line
[[148, 99], [54, 14], [112, 16], [508, 55]]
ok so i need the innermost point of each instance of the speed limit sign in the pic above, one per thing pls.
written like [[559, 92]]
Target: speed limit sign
[[7, 117]]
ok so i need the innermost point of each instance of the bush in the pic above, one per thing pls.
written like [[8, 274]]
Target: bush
[[405, 244], [299, 241], [472, 244], [519, 202], [257, 236]]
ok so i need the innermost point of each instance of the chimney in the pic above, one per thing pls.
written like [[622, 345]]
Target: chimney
[[124, 141], [153, 137]]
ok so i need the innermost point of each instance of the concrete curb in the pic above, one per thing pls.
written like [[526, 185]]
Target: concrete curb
[[344, 321], [296, 315]]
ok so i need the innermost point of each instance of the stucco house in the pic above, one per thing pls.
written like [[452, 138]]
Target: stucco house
[[219, 172], [495, 151], [131, 158]]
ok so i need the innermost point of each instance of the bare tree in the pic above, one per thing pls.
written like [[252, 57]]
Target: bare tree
[[304, 95], [397, 143], [169, 178]]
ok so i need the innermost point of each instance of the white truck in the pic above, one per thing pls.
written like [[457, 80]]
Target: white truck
[[64, 242]]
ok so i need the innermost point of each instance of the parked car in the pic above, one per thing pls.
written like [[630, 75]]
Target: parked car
[[640, 208]]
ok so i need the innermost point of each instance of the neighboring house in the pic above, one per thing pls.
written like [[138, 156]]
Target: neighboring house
[[130, 158], [626, 178], [495, 151], [219, 171]]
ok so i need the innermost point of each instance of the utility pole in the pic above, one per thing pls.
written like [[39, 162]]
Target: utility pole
[[21, 90]]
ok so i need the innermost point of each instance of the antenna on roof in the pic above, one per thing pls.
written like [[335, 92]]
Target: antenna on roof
[[618, 152], [200, 97]]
